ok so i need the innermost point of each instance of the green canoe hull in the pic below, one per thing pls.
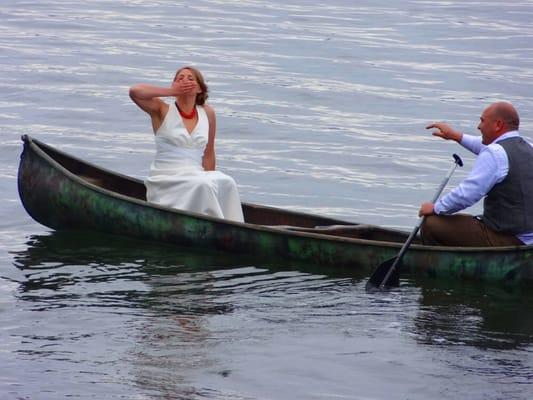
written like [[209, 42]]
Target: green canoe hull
[[65, 193]]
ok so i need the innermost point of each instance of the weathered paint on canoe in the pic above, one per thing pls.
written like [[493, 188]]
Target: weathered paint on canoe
[[55, 195]]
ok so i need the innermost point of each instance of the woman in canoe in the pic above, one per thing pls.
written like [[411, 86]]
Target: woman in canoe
[[183, 174]]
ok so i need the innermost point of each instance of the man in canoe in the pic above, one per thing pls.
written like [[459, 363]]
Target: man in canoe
[[502, 175]]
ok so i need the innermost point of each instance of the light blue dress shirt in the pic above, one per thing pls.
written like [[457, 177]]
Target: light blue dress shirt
[[491, 167]]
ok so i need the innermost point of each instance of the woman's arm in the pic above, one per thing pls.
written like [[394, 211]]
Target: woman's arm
[[147, 97], [209, 159]]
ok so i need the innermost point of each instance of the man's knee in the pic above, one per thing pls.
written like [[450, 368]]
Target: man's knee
[[429, 229], [429, 224]]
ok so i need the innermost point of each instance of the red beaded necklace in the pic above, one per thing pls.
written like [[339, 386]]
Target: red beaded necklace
[[191, 115]]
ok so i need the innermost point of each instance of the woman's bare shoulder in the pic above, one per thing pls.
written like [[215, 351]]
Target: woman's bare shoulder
[[209, 110]]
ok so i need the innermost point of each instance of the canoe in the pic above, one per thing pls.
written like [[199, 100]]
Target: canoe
[[63, 192]]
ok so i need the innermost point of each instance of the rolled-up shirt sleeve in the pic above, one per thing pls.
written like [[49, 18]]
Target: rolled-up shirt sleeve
[[489, 169]]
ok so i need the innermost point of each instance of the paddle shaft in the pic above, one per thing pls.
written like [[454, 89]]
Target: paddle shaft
[[417, 227]]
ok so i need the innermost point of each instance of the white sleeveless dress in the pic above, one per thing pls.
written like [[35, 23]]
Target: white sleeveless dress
[[177, 178]]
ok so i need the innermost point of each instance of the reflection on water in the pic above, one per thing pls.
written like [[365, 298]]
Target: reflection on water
[[162, 295], [156, 305], [121, 272], [488, 317], [180, 324], [54, 263], [498, 321]]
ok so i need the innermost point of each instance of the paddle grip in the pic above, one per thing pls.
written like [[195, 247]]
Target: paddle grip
[[458, 162]]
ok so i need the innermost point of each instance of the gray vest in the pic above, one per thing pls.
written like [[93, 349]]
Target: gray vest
[[508, 207]]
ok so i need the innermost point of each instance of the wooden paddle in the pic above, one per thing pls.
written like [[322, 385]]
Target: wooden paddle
[[387, 274]]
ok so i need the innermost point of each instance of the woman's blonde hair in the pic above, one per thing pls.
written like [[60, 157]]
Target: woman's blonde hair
[[200, 97]]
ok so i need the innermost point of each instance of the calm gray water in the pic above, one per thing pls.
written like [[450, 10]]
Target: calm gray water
[[321, 108]]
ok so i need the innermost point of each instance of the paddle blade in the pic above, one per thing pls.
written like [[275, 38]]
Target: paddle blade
[[375, 281]]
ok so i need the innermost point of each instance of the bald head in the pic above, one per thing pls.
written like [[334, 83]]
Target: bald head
[[496, 120], [506, 113]]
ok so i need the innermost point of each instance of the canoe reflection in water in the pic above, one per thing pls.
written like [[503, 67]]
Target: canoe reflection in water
[[159, 312], [159, 315], [62, 259], [152, 301]]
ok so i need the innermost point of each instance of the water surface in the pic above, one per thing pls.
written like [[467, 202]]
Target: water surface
[[321, 108]]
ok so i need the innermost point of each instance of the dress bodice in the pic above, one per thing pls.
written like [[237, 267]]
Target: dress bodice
[[177, 178], [175, 146]]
